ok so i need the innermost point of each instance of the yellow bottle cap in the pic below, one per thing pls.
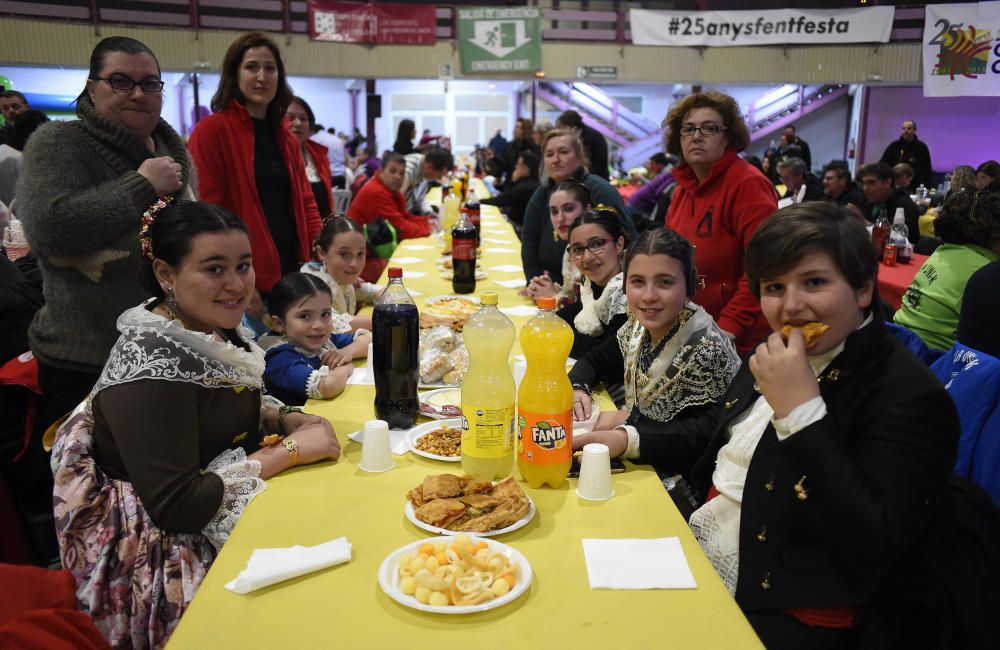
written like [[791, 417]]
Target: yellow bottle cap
[[489, 298]]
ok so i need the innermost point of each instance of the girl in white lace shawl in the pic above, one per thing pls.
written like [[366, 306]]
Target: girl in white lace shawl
[[340, 250], [155, 468], [674, 360]]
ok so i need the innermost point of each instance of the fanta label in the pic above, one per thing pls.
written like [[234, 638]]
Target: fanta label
[[544, 439]]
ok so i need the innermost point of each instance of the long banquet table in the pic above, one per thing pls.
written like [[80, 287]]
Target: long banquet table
[[344, 606]]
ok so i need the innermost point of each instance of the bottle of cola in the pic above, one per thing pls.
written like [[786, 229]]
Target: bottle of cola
[[463, 255]]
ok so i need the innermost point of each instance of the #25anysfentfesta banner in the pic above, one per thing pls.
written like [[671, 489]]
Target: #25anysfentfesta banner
[[768, 27], [962, 50]]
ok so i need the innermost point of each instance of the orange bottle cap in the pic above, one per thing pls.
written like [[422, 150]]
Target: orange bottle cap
[[546, 302]]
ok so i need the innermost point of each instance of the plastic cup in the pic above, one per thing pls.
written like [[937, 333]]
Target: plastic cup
[[376, 452], [594, 483]]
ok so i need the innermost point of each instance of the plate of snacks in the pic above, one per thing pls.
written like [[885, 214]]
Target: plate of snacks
[[451, 505], [441, 403], [441, 440], [455, 575], [443, 357]]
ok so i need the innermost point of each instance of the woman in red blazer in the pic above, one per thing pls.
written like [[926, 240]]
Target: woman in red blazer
[[302, 124], [249, 162]]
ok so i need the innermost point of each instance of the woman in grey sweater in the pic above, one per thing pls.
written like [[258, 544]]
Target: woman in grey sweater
[[83, 188]]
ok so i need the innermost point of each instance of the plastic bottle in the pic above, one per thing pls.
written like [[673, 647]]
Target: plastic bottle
[[463, 255], [921, 192], [396, 337], [488, 393], [545, 399], [472, 209], [450, 206], [880, 233], [899, 237]]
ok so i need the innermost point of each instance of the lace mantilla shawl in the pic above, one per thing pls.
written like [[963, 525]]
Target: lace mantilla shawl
[[694, 367], [154, 347], [596, 313]]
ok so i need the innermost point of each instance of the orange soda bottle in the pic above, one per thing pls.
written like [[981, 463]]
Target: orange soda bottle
[[488, 393], [545, 399]]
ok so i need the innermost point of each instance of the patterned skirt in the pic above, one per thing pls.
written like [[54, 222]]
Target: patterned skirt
[[132, 578]]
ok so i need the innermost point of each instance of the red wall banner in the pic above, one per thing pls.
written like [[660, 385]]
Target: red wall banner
[[376, 24]]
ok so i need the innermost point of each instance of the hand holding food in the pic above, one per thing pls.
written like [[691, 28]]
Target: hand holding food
[[582, 404], [783, 373]]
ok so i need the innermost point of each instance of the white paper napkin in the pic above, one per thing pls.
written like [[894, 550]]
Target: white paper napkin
[[268, 566], [507, 268], [407, 260], [495, 240], [511, 284], [418, 247], [397, 440], [637, 564], [520, 310], [500, 250], [409, 275], [363, 376]]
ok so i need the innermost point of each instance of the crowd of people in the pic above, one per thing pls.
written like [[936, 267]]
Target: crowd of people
[[812, 470]]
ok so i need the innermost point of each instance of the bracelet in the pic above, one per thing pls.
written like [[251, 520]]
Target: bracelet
[[283, 412], [585, 388]]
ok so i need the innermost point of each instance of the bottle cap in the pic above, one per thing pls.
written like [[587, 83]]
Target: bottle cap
[[395, 272], [546, 302], [900, 214], [489, 298], [899, 218]]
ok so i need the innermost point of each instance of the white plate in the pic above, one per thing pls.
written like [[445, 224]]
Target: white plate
[[411, 514], [426, 397], [423, 429], [388, 579]]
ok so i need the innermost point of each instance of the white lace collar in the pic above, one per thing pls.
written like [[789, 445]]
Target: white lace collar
[[154, 347], [596, 313], [344, 296]]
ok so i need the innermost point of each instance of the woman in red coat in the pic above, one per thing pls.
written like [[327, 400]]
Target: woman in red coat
[[719, 202], [250, 163], [302, 123]]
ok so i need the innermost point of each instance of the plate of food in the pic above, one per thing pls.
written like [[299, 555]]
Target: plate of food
[[441, 403], [441, 440], [448, 274], [465, 578], [451, 505], [451, 311]]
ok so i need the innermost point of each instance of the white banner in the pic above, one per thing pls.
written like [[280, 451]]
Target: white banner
[[773, 27], [962, 50]]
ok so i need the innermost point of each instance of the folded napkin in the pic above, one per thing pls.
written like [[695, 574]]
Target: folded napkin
[[411, 275], [495, 240], [507, 268], [512, 284], [397, 440], [417, 247], [363, 375], [268, 566], [637, 564], [406, 260]]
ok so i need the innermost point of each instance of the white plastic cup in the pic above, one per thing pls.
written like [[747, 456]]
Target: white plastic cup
[[376, 452], [594, 483]]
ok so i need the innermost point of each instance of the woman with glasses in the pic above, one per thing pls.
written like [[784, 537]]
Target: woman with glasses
[[541, 246], [674, 360], [250, 163], [302, 122], [83, 188], [719, 202]]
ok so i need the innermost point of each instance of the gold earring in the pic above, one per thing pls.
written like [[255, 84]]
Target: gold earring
[[555, 235]]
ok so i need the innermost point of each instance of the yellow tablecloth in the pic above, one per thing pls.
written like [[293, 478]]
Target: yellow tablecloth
[[344, 607]]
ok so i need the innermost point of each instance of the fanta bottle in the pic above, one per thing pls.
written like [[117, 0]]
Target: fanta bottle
[[488, 393], [450, 204], [545, 399]]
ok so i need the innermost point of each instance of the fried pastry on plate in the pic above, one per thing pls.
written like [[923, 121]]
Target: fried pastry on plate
[[810, 332], [475, 485], [441, 486], [441, 512]]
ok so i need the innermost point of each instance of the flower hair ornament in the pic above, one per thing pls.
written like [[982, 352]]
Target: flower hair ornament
[[147, 224]]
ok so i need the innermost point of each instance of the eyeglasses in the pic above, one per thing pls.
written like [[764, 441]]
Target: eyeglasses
[[707, 130], [595, 246], [127, 84]]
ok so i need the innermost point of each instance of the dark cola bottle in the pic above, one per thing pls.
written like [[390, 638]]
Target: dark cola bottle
[[463, 255], [395, 341]]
